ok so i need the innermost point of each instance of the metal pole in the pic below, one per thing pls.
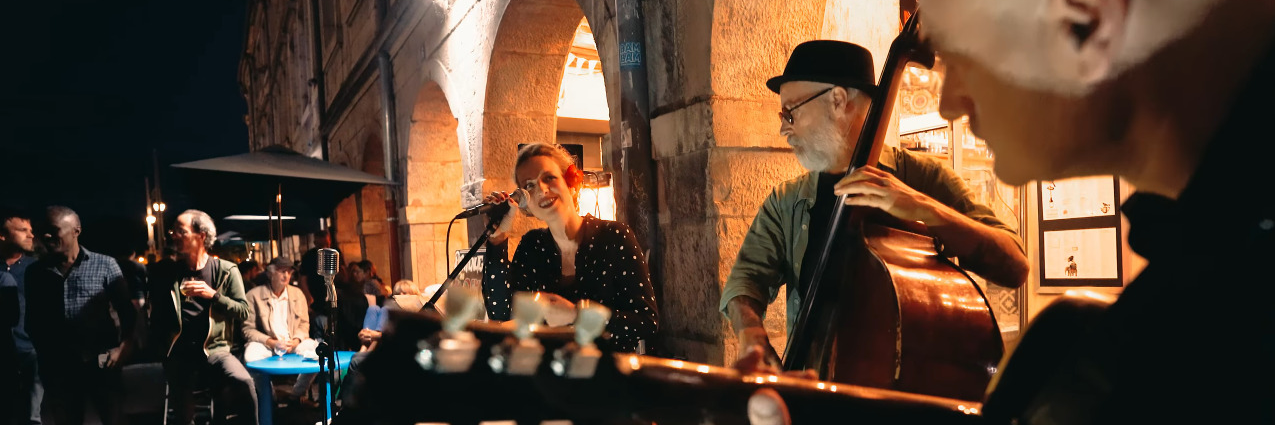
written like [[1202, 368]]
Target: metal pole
[[278, 200], [635, 183], [389, 129]]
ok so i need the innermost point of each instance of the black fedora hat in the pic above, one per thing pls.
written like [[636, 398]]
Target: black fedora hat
[[828, 61]]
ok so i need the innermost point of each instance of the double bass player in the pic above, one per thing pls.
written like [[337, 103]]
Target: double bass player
[[824, 94]]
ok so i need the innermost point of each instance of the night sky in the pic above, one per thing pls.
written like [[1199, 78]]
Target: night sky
[[93, 87]]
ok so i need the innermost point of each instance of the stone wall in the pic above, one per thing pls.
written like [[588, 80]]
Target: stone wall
[[471, 79]]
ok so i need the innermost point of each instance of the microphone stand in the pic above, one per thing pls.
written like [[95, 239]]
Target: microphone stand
[[327, 353], [493, 222]]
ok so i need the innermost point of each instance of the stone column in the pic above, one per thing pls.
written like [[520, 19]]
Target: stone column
[[716, 139]]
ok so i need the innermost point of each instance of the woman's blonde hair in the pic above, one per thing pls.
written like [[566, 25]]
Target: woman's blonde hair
[[406, 287]]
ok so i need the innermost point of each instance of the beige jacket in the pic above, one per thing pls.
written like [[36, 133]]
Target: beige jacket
[[258, 329]]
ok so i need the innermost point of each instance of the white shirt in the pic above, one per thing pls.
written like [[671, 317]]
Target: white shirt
[[279, 315]]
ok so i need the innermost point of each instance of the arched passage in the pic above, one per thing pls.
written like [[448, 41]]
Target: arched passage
[[527, 63], [433, 177], [538, 43]]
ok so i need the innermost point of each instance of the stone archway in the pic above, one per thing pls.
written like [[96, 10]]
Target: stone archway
[[433, 179], [528, 59], [527, 62]]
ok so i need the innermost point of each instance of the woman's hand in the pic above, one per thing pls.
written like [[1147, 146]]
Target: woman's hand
[[559, 311], [506, 222]]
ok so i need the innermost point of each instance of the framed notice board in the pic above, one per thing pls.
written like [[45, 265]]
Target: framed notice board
[[1079, 224]]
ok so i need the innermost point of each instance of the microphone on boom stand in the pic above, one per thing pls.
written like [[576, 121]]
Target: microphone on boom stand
[[329, 260], [496, 212]]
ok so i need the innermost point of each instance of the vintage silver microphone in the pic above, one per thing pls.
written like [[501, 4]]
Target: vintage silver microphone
[[329, 261]]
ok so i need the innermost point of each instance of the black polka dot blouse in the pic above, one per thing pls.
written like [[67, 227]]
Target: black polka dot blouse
[[610, 269]]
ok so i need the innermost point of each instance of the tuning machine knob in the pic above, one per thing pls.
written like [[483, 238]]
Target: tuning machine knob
[[454, 348], [579, 359], [520, 353]]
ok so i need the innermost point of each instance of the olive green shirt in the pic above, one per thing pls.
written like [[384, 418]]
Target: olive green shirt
[[772, 251]]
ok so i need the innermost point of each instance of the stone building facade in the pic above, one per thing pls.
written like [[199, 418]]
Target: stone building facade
[[437, 94]]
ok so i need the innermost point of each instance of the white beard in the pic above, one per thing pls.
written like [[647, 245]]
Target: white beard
[[824, 149], [1022, 40]]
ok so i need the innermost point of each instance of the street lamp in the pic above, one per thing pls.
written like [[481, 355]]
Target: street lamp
[[157, 209]]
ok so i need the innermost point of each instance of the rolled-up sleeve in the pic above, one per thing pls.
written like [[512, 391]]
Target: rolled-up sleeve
[[758, 269]]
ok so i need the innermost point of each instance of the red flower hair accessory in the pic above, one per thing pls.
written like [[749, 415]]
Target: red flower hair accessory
[[573, 176]]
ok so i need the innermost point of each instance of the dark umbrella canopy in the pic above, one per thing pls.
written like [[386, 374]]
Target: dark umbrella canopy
[[309, 188]]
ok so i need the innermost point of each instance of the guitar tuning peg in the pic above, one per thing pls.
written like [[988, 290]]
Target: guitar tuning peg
[[462, 306], [579, 359], [454, 348], [591, 320], [528, 312], [521, 353]]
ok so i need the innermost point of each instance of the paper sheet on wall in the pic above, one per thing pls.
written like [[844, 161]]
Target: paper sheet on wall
[[1078, 198], [1081, 254]]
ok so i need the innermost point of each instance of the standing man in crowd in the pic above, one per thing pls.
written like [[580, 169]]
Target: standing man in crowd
[[17, 242], [196, 304], [81, 320]]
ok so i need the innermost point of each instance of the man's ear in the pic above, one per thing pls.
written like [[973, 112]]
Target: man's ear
[[1094, 31], [840, 98]]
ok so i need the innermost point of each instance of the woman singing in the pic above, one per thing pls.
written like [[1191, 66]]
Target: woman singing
[[575, 258]]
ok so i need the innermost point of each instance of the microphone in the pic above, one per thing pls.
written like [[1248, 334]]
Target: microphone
[[328, 262], [497, 209]]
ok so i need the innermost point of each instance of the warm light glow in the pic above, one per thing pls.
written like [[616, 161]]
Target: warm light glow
[[633, 360], [702, 369], [760, 380], [833, 389], [259, 217], [150, 219], [821, 385], [583, 93], [598, 201], [772, 378], [678, 364]]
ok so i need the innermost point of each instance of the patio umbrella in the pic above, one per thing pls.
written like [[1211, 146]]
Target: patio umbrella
[[272, 181]]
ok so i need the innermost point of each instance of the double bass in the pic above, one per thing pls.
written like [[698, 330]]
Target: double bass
[[883, 309]]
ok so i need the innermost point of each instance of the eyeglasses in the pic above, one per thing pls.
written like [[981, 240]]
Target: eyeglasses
[[785, 113]]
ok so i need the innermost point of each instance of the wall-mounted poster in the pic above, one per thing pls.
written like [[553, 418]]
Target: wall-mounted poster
[[1082, 254], [1077, 198], [1080, 232]]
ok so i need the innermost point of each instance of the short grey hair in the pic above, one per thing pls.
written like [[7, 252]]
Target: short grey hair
[[58, 212], [201, 222]]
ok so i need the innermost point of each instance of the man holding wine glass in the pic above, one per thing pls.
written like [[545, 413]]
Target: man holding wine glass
[[194, 301]]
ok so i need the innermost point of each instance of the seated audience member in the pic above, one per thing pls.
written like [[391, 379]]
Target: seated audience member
[[252, 274], [279, 322], [364, 274], [407, 297]]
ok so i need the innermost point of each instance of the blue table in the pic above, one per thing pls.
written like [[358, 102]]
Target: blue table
[[289, 364]]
